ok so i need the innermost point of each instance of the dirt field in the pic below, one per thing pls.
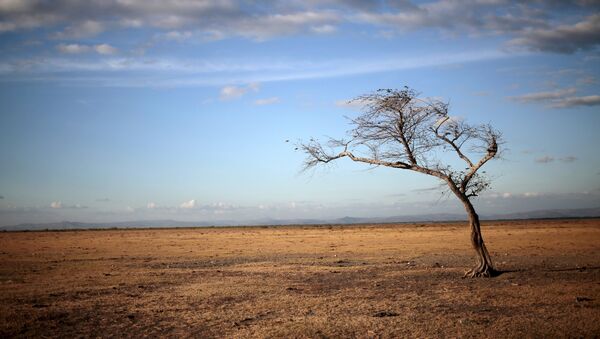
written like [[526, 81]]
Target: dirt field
[[364, 281]]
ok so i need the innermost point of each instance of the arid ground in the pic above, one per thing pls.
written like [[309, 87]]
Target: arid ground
[[307, 281]]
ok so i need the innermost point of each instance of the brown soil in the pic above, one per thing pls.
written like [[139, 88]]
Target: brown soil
[[341, 281]]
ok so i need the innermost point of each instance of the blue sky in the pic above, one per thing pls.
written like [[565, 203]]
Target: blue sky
[[133, 110]]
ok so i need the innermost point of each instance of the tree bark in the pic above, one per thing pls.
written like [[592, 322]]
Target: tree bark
[[484, 267]]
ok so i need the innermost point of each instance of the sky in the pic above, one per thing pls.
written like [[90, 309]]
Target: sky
[[120, 110]]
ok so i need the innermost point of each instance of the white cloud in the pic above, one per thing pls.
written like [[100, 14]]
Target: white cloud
[[60, 205], [266, 101], [105, 49], [509, 195], [498, 195], [193, 207], [151, 205], [178, 36], [324, 29], [72, 48], [234, 92], [189, 204]]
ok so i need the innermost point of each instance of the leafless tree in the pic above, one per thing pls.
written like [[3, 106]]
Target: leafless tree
[[400, 130]]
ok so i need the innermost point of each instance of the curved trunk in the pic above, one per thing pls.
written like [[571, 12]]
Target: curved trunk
[[484, 267]]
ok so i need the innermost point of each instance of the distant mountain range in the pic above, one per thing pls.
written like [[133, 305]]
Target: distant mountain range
[[539, 214]]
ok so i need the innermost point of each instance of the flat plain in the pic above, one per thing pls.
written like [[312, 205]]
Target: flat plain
[[365, 281]]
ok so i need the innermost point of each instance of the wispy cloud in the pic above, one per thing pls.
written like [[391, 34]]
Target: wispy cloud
[[60, 205], [188, 204], [178, 36], [544, 96], [568, 158], [587, 80], [170, 72], [73, 48], [545, 159], [562, 98], [324, 29], [234, 92], [590, 100], [218, 206], [543, 199], [266, 101], [549, 159], [87, 28], [352, 103], [104, 49]]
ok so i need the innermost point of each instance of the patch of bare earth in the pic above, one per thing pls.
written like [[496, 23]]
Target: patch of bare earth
[[351, 281]]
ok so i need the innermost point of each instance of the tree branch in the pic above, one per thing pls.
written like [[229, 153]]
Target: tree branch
[[399, 130], [452, 143], [376, 162], [491, 151]]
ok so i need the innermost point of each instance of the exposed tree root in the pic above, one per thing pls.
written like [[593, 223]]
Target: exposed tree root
[[482, 271]]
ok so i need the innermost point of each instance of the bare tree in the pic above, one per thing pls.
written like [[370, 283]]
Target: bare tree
[[400, 130]]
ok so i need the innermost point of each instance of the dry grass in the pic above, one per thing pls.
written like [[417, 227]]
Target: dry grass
[[353, 281]]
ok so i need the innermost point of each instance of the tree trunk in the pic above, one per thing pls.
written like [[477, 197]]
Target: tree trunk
[[484, 267]]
